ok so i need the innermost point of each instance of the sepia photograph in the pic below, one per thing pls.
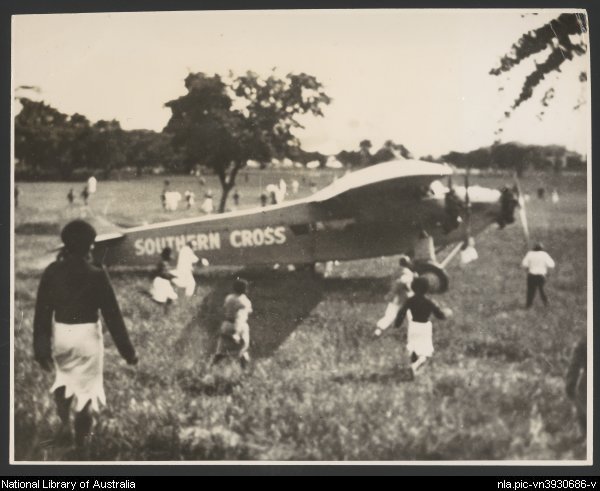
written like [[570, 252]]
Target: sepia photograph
[[301, 236]]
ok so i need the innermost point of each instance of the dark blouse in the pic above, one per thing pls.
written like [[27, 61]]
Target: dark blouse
[[73, 290], [163, 270], [421, 309]]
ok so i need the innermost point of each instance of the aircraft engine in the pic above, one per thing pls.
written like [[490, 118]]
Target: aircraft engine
[[436, 276], [508, 204]]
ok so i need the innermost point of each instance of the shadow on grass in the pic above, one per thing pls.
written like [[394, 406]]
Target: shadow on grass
[[362, 289], [281, 301], [396, 373]]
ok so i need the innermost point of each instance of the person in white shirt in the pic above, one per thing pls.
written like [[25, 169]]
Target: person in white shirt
[[282, 189], [207, 205], [537, 262], [184, 273], [295, 186], [91, 184], [172, 199]]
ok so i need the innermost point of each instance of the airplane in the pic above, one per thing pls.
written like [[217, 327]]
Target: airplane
[[380, 210]]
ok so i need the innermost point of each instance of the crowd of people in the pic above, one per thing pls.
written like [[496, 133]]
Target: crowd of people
[[73, 292]]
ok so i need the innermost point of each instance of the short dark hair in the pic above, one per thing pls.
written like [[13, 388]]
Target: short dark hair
[[538, 246], [166, 253], [420, 285], [240, 286], [78, 237]]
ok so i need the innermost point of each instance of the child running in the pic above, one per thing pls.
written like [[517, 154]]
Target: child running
[[399, 293], [419, 339], [234, 339]]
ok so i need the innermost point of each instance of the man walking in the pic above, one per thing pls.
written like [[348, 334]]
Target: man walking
[[537, 262]]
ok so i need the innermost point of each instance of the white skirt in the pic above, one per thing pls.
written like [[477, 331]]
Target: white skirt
[[162, 290], [419, 339], [78, 352]]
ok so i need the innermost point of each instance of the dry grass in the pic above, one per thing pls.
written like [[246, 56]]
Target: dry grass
[[321, 388]]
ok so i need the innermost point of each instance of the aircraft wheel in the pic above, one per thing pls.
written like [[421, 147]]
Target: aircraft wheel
[[311, 267], [436, 276]]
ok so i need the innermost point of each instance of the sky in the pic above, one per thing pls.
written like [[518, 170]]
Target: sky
[[417, 77]]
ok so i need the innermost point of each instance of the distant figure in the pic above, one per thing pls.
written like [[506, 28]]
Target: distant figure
[[85, 195], [541, 193], [453, 206], [399, 292], [537, 262], [282, 188], [424, 248], [163, 195], [184, 272], [555, 198], [190, 199], [207, 205], [263, 199], [162, 290], [468, 253], [16, 197], [91, 185], [420, 330], [246, 177], [71, 197], [508, 203], [236, 198], [67, 332], [202, 181], [295, 186], [274, 193], [172, 199], [234, 339], [313, 187], [576, 382]]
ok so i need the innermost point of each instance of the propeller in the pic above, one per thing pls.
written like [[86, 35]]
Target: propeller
[[467, 204], [522, 210]]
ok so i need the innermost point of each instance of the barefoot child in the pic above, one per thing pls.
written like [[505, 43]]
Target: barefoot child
[[419, 339], [234, 339]]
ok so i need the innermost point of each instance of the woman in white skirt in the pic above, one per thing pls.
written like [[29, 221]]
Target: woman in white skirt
[[67, 333], [419, 338]]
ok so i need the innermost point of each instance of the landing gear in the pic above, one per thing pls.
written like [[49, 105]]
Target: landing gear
[[307, 267]]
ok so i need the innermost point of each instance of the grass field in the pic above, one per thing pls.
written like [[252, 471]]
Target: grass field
[[320, 388]]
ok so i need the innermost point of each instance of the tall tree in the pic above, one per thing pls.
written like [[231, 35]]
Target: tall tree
[[39, 134], [222, 123], [565, 39]]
